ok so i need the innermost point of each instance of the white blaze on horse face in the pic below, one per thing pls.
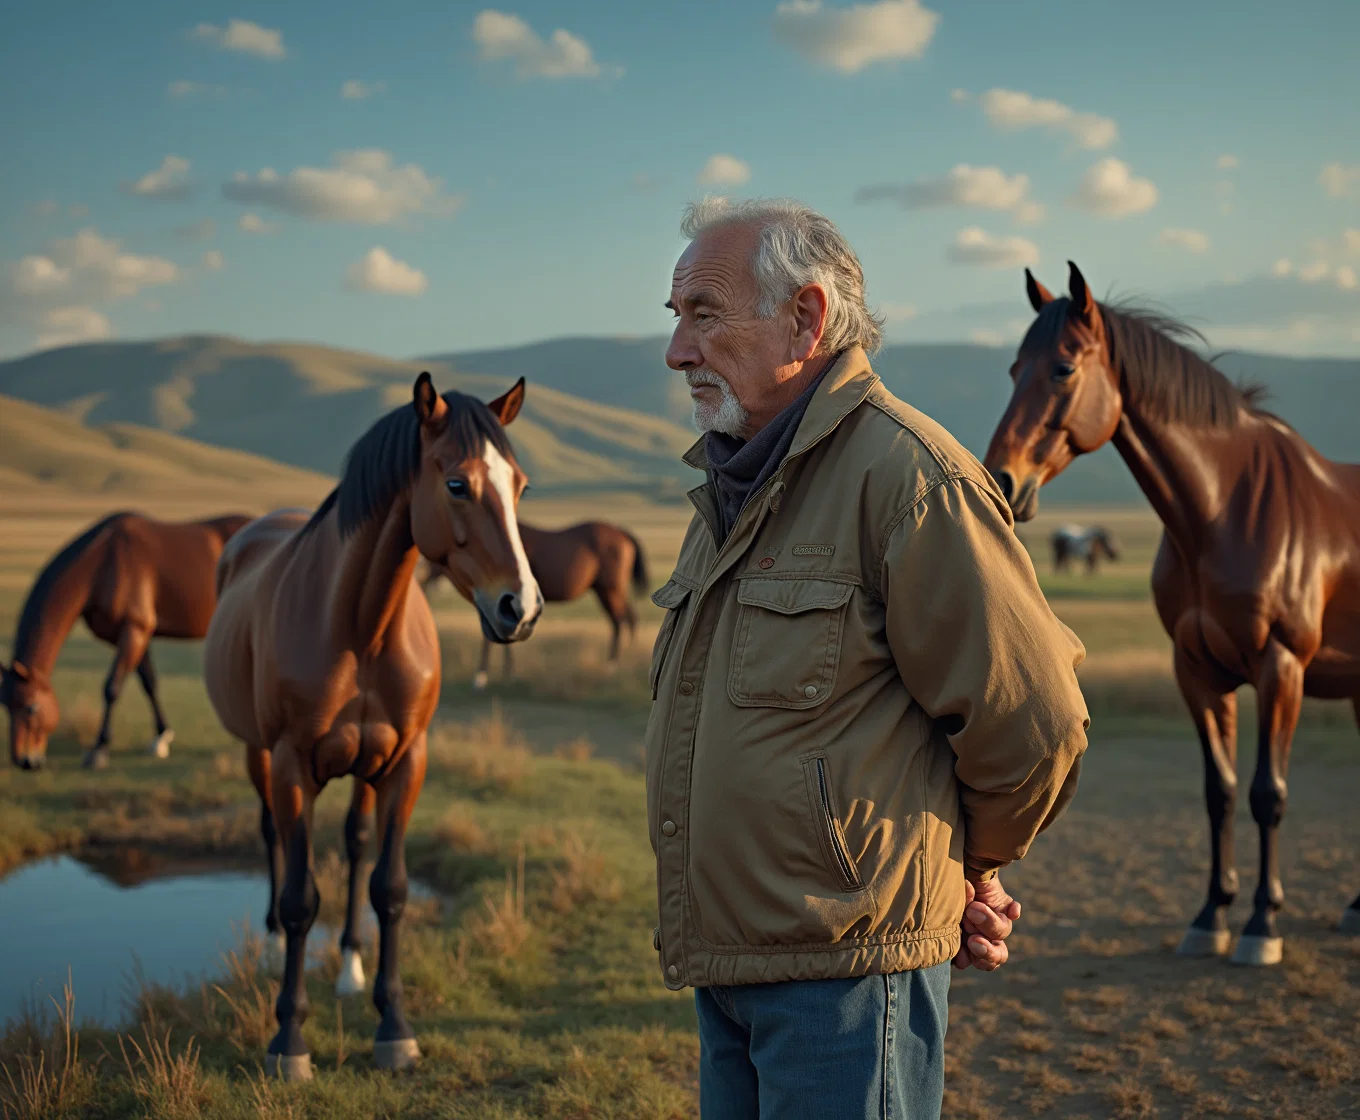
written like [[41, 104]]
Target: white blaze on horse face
[[501, 475]]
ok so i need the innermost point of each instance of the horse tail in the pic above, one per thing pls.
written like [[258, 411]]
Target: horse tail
[[641, 582]]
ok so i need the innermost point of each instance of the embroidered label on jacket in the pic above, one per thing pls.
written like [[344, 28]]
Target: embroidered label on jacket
[[814, 549]]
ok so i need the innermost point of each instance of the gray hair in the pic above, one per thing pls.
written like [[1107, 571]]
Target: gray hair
[[798, 246]]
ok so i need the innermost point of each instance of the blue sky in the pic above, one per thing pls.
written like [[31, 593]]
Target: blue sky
[[534, 177]]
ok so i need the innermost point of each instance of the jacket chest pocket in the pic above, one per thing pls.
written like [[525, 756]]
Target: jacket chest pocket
[[671, 598], [788, 641]]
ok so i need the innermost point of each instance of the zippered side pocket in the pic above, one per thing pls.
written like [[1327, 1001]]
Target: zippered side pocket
[[822, 800]]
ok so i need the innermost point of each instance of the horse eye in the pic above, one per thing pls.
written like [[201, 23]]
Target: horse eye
[[457, 487], [1063, 370]]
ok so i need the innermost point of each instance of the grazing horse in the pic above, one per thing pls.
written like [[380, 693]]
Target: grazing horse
[[131, 579], [323, 658], [1257, 578], [592, 556], [1072, 542]]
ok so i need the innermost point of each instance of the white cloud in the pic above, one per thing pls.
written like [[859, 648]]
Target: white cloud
[[189, 89], [502, 36], [1345, 277], [379, 271], [68, 326], [213, 260], [1011, 110], [1340, 180], [959, 95], [363, 186], [983, 188], [169, 182], [1228, 163], [723, 170], [253, 223], [1350, 241], [986, 336], [849, 39], [1317, 271], [355, 90], [1111, 190], [1282, 267], [1190, 239], [198, 231], [975, 246], [1313, 272], [244, 36], [897, 312]]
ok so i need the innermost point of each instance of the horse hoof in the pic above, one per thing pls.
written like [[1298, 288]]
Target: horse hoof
[[1350, 920], [275, 951], [398, 1055], [479, 681], [1258, 952], [160, 746], [350, 982], [1204, 942], [288, 1067], [97, 759]]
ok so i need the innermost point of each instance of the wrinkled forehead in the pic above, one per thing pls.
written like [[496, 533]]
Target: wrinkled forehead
[[720, 260]]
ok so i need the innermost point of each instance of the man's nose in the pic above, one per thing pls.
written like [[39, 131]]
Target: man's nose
[[682, 354]]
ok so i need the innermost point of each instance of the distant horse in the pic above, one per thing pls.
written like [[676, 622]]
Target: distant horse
[[131, 579], [592, 556], [323, 658], [1257, 579], [1072, 542]]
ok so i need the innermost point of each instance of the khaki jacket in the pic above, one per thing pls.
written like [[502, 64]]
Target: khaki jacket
[[861, 693]]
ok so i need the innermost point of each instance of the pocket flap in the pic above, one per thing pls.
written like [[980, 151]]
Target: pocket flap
[[794, 596], [670, 594]]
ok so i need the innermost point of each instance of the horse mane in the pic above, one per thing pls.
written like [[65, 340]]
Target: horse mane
[[385, 460], [30, 618], [1151, 351]]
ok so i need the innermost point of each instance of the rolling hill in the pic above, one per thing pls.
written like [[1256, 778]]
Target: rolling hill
[[45, 450], [964, 387], [304, 405]]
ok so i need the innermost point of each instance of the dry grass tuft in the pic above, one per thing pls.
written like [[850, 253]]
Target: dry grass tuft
[[579, 749], [1094, 1059], [1130, 1098], [459, 831], [1164, 1027], [502, 929], [1031, 1042], [167, 1081], [583, 876], [251, 1009], [488, 753], [41, 1074]]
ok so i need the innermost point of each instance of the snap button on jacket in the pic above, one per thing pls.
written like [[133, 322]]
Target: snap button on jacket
[[858, 696]]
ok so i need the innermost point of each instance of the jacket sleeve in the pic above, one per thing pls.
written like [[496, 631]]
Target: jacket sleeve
[[979, 649]]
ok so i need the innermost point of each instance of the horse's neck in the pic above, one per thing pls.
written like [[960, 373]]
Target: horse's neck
[[1172, 464], [45, 623], [374, 578]]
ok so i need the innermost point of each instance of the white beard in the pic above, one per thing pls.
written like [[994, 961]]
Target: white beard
[[727, 416]]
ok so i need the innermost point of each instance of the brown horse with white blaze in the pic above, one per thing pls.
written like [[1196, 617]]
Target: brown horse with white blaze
[[323, 656], [131, 579], [1257, 579], [592, 556]]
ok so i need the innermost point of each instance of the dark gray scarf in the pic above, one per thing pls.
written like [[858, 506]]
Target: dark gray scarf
[[738, 468]]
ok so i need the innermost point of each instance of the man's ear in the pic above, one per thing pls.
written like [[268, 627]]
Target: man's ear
[[809, 321]]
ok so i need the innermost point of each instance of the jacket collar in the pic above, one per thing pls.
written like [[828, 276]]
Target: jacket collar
[[843, 389]]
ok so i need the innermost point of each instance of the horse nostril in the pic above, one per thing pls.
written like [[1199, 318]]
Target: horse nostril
[[510, 609], [1006, 481]]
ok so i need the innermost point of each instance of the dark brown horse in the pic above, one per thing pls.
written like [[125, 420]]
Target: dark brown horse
[[323, 658], [1257, 579], [131, 579], [1072, 542], [592, 556]]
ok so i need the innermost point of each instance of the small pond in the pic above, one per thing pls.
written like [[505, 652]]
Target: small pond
[[101, 919]]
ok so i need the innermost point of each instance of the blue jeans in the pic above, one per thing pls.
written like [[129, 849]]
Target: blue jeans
[[871, 1047]]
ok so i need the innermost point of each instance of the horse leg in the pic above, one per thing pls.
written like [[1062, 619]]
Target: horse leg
[[132, 643], [483, 674], [146, 673], [1215, 716], [1279, 695], [257, 763], [358, 827], [293, 798], [394, 1046], [1350, 917]]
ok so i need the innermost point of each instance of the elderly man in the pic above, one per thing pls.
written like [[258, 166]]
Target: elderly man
[[862, 705]]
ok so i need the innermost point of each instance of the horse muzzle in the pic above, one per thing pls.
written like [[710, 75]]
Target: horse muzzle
[[504, 620], [1023, 498]]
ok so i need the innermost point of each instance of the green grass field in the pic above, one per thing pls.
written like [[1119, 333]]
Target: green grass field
[[532, 982]]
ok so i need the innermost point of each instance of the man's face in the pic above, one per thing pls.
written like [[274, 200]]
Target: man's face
[[730, 356]]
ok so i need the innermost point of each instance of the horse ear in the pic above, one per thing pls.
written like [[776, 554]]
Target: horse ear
[[1083, 305], [430, 406], [1038, 294], [506, 407]]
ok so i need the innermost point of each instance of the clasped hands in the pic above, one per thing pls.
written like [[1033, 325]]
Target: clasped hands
[[988, 914]]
